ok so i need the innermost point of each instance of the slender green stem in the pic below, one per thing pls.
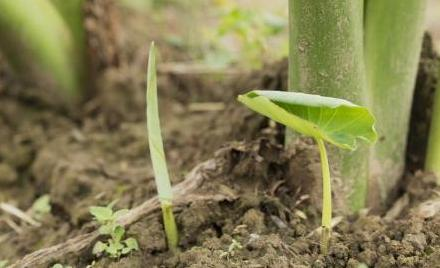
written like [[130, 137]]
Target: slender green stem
[[326, 198], [39, 45], [170, 226]]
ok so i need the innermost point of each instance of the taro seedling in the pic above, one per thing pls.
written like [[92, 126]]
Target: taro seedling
[[336, 121], [157, 154], [115, 246]]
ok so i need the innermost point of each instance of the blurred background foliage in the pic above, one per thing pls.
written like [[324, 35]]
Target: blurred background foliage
[[234, 33], [221, 33]]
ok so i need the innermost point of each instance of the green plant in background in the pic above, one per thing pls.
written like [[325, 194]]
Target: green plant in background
[[115, 246], [433, 153], [251, 28], [41, 207], [148, 4], [336, 121], [157, 154], [45, 41]]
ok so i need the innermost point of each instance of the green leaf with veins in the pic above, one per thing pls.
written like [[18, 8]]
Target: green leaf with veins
[[336, 121]]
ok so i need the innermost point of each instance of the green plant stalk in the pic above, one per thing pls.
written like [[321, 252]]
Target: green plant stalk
[[432, 162], [157, 153], [393, 39], [326, 58], [170, 225], [326, 198], [38, 43], [73, 14]]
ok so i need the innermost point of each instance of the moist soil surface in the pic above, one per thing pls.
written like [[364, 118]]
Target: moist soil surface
[[97, 153]]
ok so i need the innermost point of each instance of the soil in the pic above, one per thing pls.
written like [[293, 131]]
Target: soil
[[98, 153]]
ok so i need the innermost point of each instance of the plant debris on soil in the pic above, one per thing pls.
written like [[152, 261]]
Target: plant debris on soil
[[98, 153]]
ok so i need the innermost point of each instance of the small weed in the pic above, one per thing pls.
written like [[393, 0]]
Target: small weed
[[251, 29], [115, 246], [41, 207], [233, 247]]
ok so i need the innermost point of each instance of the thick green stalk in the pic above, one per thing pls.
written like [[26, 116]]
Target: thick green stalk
[[326, 198], [73, 14], [37, 42], [326, 58], [393, 38], [433, 153]]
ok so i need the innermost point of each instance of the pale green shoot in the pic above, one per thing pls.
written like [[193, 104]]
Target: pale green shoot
[[157, 154]]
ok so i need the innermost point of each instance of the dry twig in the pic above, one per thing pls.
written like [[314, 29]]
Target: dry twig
[[184, 193]]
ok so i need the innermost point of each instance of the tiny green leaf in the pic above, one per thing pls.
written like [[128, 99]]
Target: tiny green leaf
[[112, 250], [131, 243], [125, 250], [120, 213], [42, 205], [102, 214], [337, 121], [106, 229], [118, 233], [99, 248]]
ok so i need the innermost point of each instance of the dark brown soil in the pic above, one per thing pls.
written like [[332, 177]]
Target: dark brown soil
[[98, 153]]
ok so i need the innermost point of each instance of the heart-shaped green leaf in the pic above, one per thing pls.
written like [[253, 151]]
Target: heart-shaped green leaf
[[337, 121]]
